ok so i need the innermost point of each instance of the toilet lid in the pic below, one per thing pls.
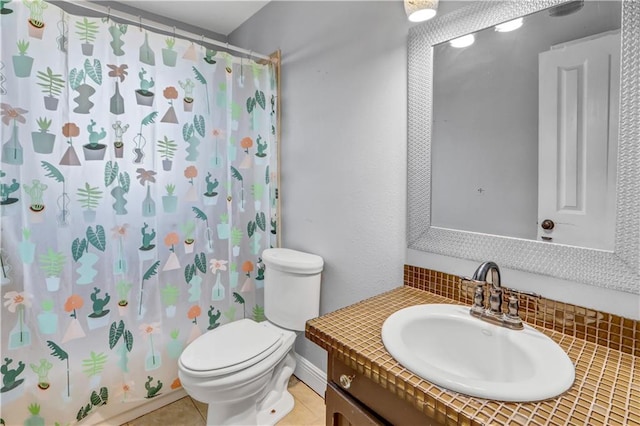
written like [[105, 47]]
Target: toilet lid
[[237, 344]]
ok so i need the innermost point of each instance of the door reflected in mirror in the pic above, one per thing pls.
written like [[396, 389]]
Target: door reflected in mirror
[[525, 128]]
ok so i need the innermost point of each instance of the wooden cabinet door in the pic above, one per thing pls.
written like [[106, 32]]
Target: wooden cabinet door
[[382, 405], [344, 411]]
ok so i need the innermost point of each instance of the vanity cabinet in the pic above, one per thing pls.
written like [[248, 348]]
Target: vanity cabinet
[[353, 399]]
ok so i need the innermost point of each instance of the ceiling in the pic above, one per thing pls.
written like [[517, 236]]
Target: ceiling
[[220, 16]]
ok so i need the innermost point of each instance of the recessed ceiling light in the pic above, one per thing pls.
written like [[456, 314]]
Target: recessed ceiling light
[[509, 26], [566, 8], [463, 41]]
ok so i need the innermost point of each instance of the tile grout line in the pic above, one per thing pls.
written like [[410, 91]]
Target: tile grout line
[[299, 401], [195, 407], [312, 409]]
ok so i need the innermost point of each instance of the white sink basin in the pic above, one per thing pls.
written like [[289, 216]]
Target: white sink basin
[[448, 347]]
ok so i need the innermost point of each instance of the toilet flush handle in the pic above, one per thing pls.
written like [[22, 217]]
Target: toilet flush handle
[[345, 381]]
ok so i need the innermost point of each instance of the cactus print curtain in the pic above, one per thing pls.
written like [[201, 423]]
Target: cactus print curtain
[[137, 183]]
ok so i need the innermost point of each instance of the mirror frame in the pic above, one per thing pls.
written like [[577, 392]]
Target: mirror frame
[[618, 269]]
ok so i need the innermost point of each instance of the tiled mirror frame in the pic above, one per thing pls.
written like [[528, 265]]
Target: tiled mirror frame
[[618, 270]]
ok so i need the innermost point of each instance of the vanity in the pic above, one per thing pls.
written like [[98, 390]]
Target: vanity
[[367, 386]]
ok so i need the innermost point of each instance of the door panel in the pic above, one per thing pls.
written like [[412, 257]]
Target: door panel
[[578, 134]]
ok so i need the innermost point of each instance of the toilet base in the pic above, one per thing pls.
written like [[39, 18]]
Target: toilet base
[[266, 409], [267, 416], [276, 412]]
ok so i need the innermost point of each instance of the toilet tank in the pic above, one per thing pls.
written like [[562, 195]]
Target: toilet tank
[[291, 287]]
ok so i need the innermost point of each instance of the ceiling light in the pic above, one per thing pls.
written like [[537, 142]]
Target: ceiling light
[[509, 26], [566, 8], [463, 41], [420, 10]]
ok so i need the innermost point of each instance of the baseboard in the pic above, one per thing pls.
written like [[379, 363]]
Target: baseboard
[[311, 375], [142, 409]]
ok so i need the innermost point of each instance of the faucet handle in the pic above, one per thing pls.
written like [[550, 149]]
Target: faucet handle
[[512, 315], [495, 301], [478, 298], [512, 310]]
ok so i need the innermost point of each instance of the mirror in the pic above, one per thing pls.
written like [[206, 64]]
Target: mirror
[[458, 204], [497, 126]]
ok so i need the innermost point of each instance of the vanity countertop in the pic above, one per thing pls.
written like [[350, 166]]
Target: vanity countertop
[[606, 390]]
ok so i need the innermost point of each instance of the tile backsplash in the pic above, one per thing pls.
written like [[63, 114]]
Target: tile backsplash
[[602, 328]]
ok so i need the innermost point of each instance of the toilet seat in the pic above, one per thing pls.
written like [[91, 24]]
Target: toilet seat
[[230, 348]]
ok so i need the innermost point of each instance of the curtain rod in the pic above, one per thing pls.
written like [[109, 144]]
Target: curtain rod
[[193, 37]]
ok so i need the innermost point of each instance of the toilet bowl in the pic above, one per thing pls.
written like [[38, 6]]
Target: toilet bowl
[[245, 391], [241, 369]]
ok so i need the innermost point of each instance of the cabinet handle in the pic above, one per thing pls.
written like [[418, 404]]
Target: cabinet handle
[[345, 381]]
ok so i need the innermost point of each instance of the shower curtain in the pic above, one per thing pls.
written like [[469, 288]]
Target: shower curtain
[[137, 182]]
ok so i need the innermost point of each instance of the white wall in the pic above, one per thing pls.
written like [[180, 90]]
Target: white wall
[[148, 18], [343, 168]]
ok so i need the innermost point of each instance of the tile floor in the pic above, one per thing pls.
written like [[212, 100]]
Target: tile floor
[[308, 411]]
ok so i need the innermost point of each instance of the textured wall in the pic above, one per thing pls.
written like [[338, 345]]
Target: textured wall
[[343, 140]]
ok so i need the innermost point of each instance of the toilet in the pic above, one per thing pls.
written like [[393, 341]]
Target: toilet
[[242, 369]]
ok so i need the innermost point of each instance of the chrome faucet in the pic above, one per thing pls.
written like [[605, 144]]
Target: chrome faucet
[[483, 270], [493, 314], [495, 293]]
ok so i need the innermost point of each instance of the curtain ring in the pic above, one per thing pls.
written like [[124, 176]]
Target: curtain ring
[[140, 22], [108, 13], [174, 31], [201, 41]]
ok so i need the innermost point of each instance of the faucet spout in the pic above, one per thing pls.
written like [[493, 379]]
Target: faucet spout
[[484, 269]]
